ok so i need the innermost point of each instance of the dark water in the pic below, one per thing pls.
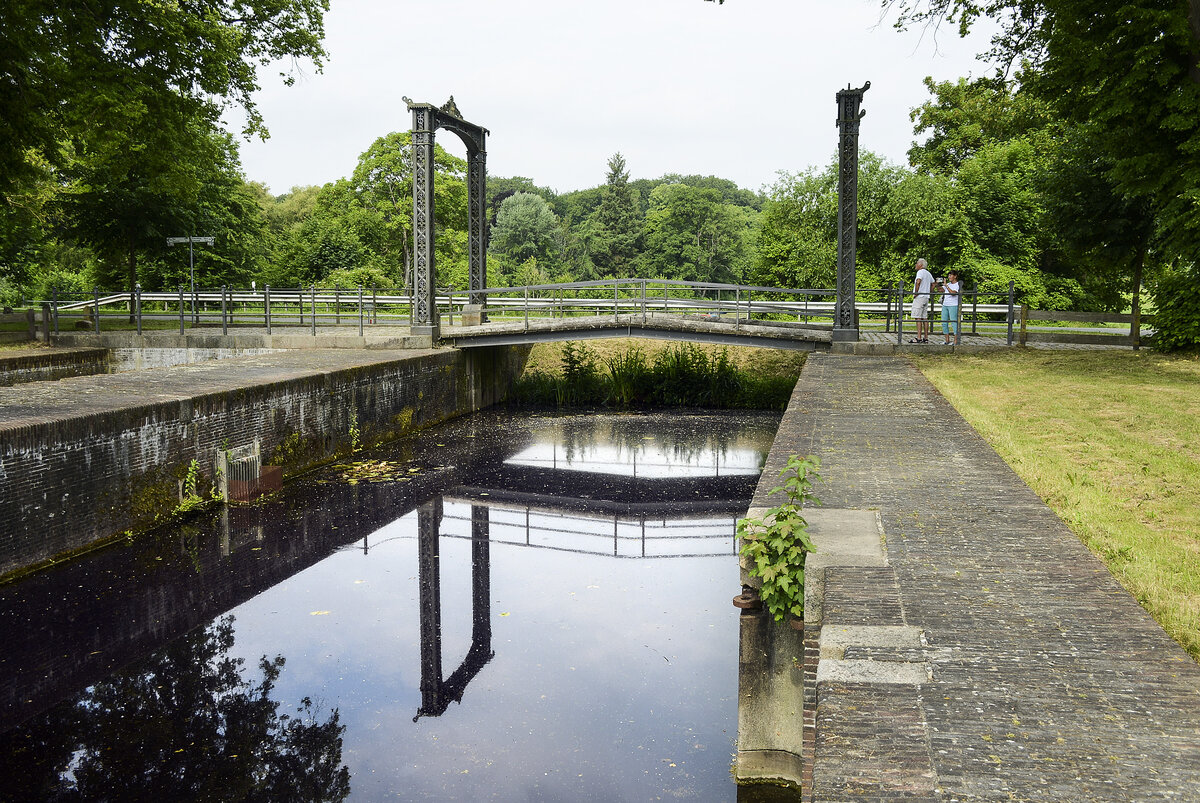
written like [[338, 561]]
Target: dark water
[[502, 609]]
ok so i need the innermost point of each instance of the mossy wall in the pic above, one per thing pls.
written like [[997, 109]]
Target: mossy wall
[[71, 483]]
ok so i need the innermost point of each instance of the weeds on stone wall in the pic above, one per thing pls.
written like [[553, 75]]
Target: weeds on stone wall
[[189, 498], [682, 376], [775, 546]]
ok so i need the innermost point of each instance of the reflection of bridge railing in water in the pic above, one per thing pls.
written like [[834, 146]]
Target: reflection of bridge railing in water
[[621, 536]]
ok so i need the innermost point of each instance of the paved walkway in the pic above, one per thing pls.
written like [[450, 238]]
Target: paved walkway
[[24, 405], [1034, 675]]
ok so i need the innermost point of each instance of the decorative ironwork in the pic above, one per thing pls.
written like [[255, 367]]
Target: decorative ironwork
[[427, 119], [844, 325], [477, 226], [451, 108]]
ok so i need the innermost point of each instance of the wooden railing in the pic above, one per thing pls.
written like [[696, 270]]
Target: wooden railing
[[1093, 336]]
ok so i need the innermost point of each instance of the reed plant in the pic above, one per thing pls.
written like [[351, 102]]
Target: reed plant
[[681, 375]]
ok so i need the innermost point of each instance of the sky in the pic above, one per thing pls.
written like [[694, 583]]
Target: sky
[[740, 91]]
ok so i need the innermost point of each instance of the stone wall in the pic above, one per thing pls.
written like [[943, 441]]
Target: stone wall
[[38, 365], [78, 480]]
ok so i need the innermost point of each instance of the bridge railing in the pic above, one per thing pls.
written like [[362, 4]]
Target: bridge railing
[[884, 309], [617, 297]]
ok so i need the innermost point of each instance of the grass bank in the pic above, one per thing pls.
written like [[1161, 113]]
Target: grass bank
[[1111, 441], [634, 372]]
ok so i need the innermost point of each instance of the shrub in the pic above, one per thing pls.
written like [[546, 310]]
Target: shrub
[[1177, 321], [776, 545]]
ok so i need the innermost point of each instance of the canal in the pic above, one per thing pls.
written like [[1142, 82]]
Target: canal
[[504, 608]]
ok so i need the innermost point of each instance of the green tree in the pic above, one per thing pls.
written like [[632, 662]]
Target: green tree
[[382, 187], [525, 227], [75, 70], [964, 116], [126, 198], [690, 235], [616, 223]]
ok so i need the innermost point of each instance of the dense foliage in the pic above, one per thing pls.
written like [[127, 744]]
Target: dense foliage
[[684, 375]]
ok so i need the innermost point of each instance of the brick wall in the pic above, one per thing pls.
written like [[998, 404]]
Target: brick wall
[[69, 483]]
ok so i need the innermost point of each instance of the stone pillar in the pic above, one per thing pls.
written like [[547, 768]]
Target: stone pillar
[[477, 226], [425, 318], [845, 327]]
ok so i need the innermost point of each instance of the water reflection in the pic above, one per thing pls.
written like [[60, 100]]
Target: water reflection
[[628, 447], [437, 693], [580, 618], [183, 724]]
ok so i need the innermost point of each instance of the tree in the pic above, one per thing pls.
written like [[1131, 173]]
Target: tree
[[73, 70], [525, 227], [126, 198], [964, 116], [616, 223], [690, 235], [382, 186]]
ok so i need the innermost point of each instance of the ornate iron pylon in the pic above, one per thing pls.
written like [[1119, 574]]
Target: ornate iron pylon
[[426, 120], [849, 100]]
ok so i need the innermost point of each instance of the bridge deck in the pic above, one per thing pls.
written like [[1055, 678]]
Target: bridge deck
[[1038, 676], [693, 328]]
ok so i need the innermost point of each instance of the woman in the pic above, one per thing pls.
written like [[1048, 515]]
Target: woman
[[951, 293]]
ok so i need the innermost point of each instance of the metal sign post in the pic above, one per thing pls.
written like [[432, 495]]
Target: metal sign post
[[191, 265]]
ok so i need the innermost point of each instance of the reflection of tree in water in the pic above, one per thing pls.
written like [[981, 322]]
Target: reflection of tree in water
[[686, 439], [181, 725]]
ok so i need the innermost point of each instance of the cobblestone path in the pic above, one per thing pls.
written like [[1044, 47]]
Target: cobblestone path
[[1043, 679]]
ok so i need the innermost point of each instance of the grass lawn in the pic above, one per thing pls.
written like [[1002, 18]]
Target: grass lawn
[[1111, 441]]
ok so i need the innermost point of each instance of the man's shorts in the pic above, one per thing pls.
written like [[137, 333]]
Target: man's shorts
[[920, 308]]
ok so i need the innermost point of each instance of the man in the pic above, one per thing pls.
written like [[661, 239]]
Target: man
[[922, 287]]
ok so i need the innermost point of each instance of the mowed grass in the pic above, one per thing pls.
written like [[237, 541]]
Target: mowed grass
[[1111, 441], [547, 357]]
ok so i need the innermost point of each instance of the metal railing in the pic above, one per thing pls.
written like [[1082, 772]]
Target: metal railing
[[311, 307]]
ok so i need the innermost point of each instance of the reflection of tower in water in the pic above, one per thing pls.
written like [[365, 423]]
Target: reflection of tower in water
[[438, 692]]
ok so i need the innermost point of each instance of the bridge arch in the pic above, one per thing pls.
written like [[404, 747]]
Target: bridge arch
[[426, 120]]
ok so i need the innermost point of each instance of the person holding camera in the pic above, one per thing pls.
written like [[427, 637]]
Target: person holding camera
[[951, 295]]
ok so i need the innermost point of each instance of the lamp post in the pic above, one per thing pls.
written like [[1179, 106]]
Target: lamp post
[[191, 264]]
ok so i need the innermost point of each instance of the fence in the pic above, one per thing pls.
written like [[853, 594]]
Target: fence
[[881, 309], [25, 327]]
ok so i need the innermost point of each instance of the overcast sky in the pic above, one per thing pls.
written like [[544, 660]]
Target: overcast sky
[[739, 90]]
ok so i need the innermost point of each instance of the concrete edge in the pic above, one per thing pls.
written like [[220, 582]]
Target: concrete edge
[[769, 767]]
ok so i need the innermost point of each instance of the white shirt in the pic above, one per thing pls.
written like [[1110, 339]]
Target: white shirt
[[923, 283], [950, 299]]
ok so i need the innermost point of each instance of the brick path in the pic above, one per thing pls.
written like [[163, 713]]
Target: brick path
[[1042, 679]]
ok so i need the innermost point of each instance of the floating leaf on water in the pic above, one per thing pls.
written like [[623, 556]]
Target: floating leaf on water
[[319, 613]]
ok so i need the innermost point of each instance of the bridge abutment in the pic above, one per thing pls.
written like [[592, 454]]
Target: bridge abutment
[[86, 459]]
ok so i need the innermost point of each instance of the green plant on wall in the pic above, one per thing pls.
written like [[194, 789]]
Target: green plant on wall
[[190, 498], [775, 545], [355, 435]]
